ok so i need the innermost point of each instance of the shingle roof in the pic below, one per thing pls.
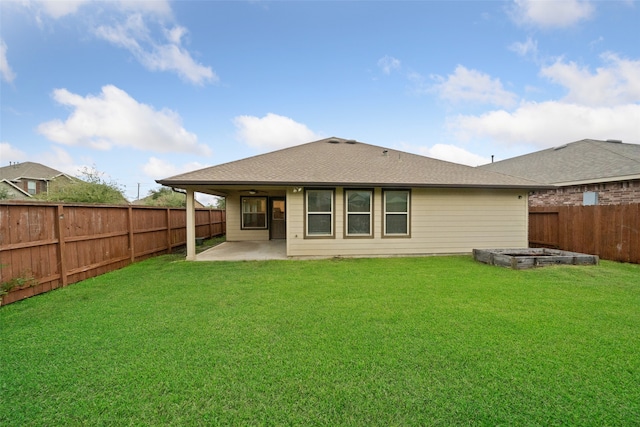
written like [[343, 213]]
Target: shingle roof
[[580, 161], [28, 170], [336, 162]]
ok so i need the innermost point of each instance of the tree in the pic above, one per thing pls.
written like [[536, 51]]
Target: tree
[[165, 196], [90, 187], [4, 193], [220, 203]]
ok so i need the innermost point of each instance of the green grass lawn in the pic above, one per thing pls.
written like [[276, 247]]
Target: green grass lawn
[[400, 341]]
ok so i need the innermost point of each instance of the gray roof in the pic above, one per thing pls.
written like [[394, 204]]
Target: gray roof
[[342, 162], [28, 170], [587, 160]]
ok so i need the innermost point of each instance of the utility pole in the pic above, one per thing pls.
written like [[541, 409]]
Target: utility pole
[[138, 191]]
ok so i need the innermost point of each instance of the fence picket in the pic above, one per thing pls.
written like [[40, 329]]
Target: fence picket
[[60, 244], [609, 231]]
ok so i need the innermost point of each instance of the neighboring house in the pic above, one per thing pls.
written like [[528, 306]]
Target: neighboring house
[[11, 191], [27, 179], [338, 197], [586, 172]]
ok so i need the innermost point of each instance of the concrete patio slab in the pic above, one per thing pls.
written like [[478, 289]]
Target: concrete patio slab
[[245, 251]]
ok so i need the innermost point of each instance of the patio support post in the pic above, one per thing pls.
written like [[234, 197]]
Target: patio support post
[[191, 226]]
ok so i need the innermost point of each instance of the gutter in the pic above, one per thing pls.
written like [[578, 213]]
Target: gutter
[[185, 184], [598, 180]]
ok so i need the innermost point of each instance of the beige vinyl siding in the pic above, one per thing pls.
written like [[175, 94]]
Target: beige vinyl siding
[[441, 221], [234, 218], [295, 221]]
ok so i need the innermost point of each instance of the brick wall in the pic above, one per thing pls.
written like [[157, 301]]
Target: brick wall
[[609, 193]]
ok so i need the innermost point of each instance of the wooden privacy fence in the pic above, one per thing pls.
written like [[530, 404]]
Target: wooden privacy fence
[[44, 246], [610, 231]]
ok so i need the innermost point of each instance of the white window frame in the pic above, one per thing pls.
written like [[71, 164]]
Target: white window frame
[[385, 213], [308, 213], [348, 213]]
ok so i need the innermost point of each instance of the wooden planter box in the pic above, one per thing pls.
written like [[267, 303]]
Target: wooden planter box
[[520, 259]]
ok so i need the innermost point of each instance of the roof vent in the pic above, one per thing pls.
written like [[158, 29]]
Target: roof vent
[[560, 147], [351, 141], [333, 141], [615, 141]]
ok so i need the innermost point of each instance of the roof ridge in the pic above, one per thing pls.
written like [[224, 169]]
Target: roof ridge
[[255, 156], [29, 170], [347, 162], [608, 148]]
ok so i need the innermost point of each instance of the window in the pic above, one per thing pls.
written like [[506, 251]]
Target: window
[[319, 213], [254, 213], [31, 187], [396, 212], [358, 212]]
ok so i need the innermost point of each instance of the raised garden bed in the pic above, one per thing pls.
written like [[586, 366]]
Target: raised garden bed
[[520, 259]]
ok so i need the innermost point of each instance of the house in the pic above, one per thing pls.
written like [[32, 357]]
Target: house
[[27, 179], [340, 197], [586, 172]]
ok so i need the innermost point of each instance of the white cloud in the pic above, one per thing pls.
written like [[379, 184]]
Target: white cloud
[[157, 168], [135, 36], [616, 84], [599, 104], [527, 48], [57, 158], [61, 160], [59, 8], [453, 153], [388, 64], [5, 69], [272, 131], [551, 123], [551, 13], [113, 118], [175, 34], [164, 52], [466, 85], [9, 153], [126, 35], [157, 7]]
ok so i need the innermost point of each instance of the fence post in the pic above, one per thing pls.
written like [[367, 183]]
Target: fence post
[[597, 230], [62, 251], [132, 249], [210, 223], [563, 231], [634, 227], [168, 230]]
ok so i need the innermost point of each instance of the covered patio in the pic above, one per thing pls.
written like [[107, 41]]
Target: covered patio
[[245, 251]]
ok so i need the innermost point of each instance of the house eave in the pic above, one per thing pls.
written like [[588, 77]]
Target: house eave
[[31, 178], [598, 180], [12, 185], [213, 184]]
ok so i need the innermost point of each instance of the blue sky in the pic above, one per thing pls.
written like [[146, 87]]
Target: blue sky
[[147, 89]]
